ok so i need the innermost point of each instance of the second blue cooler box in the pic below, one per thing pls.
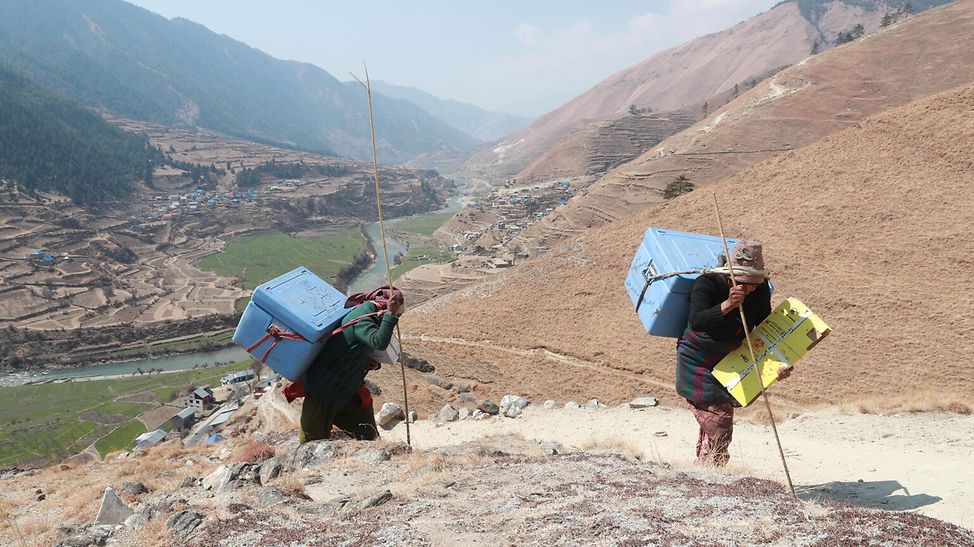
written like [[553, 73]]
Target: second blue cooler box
[[288, 320], [665, 303]]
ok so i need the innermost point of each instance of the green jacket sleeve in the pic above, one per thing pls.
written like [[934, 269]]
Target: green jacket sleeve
[[372, 335]]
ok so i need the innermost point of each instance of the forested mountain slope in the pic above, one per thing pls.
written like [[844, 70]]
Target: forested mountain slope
[[135, 63], [48, 142]]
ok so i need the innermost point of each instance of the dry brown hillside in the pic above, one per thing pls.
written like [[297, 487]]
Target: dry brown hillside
[[871, 227], [821, 95], [604, 144], [681, 76]]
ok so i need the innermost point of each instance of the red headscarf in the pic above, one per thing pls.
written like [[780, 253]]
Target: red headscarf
[[380, 297]]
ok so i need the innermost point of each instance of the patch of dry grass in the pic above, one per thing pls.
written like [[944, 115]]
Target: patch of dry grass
[[154, 532], [290, 485], [911, 402], [424, 463], [253, 452], [614, 445]]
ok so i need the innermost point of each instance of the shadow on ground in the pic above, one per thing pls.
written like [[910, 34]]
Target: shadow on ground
[[890, 495]]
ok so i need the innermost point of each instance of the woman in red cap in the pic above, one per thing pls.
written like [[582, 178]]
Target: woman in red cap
[[713, 330]]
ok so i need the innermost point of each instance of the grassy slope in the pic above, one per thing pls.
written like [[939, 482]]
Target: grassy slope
[[38, 421], [262, 257], [423, 225]]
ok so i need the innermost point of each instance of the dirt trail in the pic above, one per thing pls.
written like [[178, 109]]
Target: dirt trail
[[540, 352], [910, 462]]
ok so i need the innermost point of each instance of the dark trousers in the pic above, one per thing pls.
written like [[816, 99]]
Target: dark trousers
[[318, 417]]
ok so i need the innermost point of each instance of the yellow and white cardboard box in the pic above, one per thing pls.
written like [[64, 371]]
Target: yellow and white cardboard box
[[779, 341]]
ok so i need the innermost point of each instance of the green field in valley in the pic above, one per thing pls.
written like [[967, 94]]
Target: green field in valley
[[259, 258], [422, 224], [55, 420], [422, 253], [426, 250], [121, 438]]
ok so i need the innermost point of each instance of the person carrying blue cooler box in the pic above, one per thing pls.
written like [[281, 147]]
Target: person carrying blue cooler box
[[333, 385]]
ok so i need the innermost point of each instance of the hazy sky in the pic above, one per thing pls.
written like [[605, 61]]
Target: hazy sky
[[525, 57]]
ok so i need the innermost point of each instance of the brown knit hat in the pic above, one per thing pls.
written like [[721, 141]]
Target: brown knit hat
[[748, 254]]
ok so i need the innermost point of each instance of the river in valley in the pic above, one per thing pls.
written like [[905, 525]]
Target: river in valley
[[183, 361], [375, 274]]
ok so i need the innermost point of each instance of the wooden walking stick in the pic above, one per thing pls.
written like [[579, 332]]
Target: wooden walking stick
[[750, 347], [382, 231]]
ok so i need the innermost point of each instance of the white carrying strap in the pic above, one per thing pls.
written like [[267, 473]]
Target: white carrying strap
[[736, 270]]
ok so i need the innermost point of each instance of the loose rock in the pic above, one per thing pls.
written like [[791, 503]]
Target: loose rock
[[309, 454], [134, 488], [96, 535], [269, 496], [185, 522], [376, 500], [571, 405], [189, 481], [269, 470], [113, 510], [549, 404], [512, 406], [488, 407], [390, 415], [595, 404], [374, 455], [551, 448], [449, 414], [238, 475], [464, 413], [643, 402], [413, 417]]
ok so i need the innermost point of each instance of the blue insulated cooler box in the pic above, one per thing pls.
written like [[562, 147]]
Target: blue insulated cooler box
[[665, 304], [288, 320]]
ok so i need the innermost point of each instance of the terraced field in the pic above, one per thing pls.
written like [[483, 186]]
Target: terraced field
[[257, 258], [41, 421]]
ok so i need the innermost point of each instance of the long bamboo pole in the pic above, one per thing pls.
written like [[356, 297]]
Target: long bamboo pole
[[750, 347], [382, 233]]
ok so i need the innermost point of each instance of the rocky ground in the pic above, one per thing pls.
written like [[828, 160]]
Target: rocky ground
[[260, 488]]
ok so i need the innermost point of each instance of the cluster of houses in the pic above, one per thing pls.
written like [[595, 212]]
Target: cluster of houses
[[43, 259], [202, 400], [276, 187], [163, 208], [515, 210]]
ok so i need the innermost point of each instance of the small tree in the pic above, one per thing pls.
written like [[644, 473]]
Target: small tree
[[887, 20], [815, 48], [633, 110], [706, 108], [679, 186]]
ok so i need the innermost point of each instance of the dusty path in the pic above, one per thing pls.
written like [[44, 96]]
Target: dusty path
[[563, 359], [911, 462], [539, 352]]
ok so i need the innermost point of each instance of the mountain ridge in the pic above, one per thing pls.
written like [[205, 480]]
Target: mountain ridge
[[686, 74], [141, 65], [469, 118]]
